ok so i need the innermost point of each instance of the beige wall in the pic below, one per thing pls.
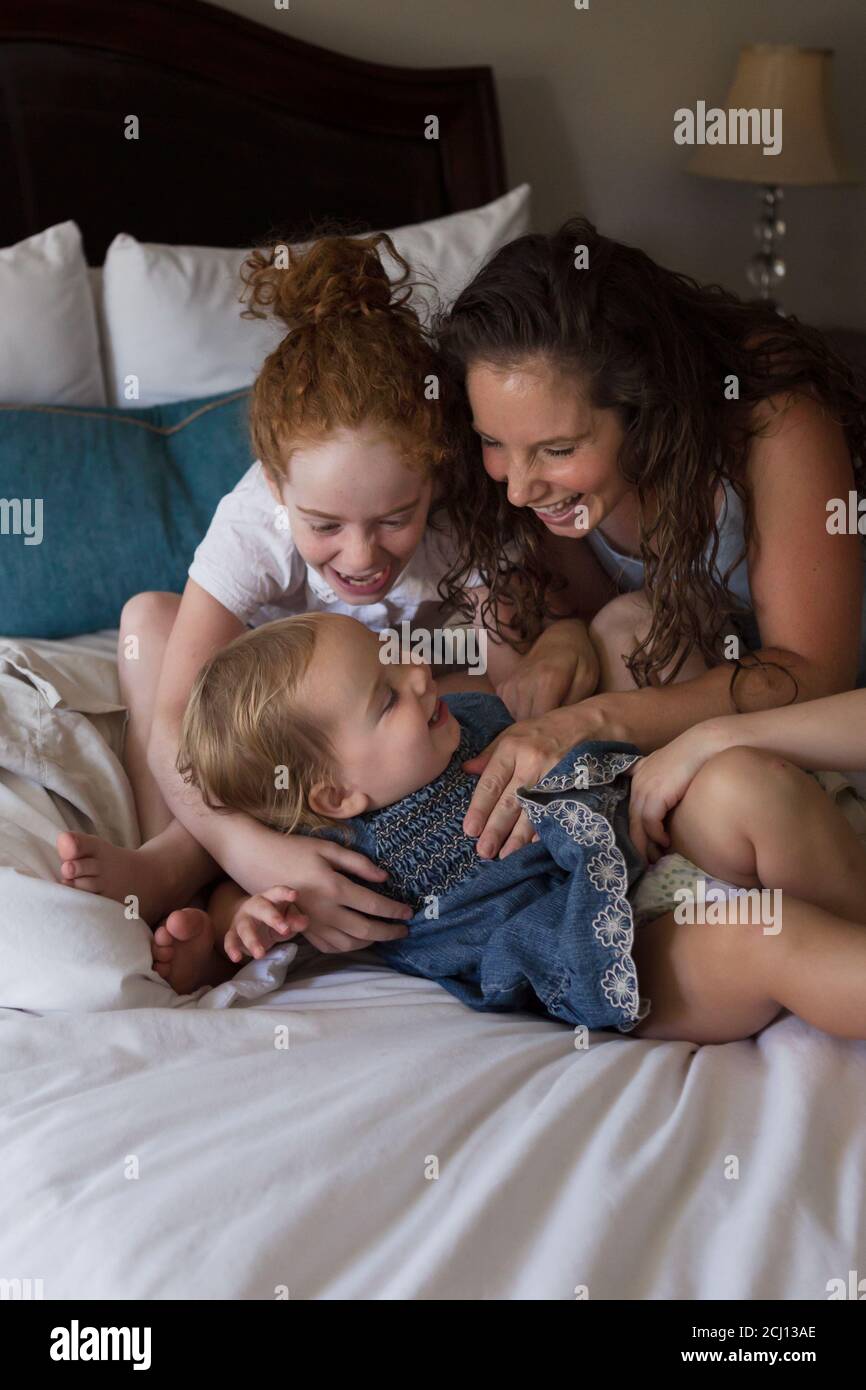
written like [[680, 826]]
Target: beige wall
[[587, 101]]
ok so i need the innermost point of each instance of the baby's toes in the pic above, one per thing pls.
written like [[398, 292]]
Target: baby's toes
[[77, 845], [162, 951], [68, 846], [79, 868], [86, 884], [186, 923]]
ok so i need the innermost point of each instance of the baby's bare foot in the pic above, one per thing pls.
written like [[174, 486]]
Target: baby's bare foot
[[90, 863], [95, 865], [183, 950], [166, 870]]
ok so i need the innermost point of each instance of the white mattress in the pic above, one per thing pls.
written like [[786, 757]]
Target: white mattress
[[152, 1147]]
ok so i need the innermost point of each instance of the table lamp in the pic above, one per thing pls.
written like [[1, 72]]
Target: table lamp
[[797, 82]]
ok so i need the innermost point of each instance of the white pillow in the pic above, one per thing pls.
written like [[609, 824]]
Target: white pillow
[[451, 250], [49, 341], [171, 314]]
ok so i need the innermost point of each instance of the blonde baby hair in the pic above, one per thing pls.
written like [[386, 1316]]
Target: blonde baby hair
[[246, 743]]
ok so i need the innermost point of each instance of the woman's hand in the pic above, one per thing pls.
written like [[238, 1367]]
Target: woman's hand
[[341, 914], [660, 781], [560, 669], [519, 757]]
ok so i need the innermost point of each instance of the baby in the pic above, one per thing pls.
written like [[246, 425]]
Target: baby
[[300, 724]]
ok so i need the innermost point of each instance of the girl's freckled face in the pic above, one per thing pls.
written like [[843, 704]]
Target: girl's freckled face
[[541, 436], [390, 731], [357, 511]]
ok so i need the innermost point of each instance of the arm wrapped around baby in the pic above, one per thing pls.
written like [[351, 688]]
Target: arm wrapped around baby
[[548, 929], [300, 724]]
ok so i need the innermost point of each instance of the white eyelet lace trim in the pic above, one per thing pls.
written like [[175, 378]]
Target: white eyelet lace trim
[[613, 926], [587, 771]]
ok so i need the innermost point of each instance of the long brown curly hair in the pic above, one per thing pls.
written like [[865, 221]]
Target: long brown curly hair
[[354, 350], [656, 347]]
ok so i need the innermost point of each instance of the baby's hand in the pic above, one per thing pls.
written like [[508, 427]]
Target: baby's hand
[[262, 920]]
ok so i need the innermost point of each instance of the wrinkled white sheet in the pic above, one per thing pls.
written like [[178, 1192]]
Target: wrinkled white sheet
[[163, 1148], [61, 737], [261, 1166]]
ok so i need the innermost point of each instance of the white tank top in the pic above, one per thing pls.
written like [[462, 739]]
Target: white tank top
[[627, 571]]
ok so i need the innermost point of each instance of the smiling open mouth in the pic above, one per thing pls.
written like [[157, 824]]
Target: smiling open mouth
[[558, 510], [367, 581]]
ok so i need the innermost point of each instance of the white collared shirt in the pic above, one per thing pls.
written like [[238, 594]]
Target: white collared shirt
[[249, 563]]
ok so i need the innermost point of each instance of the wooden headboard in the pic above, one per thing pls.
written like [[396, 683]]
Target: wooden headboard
[[243, 130]]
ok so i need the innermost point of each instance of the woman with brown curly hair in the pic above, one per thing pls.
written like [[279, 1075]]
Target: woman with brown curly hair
[[688, 444]]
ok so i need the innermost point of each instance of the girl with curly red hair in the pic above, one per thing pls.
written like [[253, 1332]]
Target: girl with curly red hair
[[339, 513]]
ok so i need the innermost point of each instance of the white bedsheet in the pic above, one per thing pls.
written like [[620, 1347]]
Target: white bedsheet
[[159, 1149], [262, 1167]]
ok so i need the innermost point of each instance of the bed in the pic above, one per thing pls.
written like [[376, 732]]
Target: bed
[[325, 1128]]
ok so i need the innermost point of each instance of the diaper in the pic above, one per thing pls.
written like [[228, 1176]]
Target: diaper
[[842, 791], [656, 892]]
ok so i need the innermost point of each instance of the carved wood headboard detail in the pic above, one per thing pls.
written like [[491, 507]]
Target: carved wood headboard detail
[[243, 130]]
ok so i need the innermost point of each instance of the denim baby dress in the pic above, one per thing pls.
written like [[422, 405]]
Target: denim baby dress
[[550, 928]]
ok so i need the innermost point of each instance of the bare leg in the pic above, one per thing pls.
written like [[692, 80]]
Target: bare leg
[[145, 627], [170, 866], [616, 631], [754, 819], [715, 984]]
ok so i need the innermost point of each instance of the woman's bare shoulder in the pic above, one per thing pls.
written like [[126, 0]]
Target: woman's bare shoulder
[[787, 416]]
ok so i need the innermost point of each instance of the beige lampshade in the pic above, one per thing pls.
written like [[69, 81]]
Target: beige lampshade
[[796, 80]]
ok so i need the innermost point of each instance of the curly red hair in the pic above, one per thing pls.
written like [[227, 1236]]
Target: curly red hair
[[354, 351]]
